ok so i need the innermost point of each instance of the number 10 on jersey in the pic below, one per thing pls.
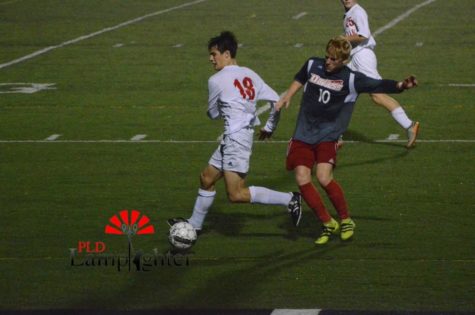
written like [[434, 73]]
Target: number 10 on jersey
[[246, 88]]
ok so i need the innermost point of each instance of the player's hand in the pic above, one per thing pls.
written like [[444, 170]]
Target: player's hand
[[283, 102], [264, 134], [408, 83]]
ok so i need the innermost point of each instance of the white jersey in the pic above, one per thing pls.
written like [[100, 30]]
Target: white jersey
[[355, 22], [233, 94]]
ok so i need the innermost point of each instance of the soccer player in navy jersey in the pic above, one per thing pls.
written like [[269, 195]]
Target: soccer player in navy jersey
[[329, 95]]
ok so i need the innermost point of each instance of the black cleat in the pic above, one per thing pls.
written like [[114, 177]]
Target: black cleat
[[295, 208], [171, 222]]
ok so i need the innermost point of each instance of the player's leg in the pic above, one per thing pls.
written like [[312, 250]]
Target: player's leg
[[238, 192], [325, 178], [300, 159], [365, 61], [237, 154], [206, 194], [326, 161], [393, 106], [337, 197], [236, 159], [236, 188], [399, 115]]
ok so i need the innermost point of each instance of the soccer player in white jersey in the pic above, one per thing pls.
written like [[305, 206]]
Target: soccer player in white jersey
[[233, 94], [363, 59]]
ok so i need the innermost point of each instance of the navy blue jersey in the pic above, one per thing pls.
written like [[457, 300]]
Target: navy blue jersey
[[328, 100]]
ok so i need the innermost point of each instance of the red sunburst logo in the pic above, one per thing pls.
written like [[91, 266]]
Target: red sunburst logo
[[129, 223]]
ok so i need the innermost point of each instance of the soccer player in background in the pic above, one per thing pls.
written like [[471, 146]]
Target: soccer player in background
[[329, 95], [363, 59], [233, 94]]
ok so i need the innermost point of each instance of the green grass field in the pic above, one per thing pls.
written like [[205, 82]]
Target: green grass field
[[414, 247]]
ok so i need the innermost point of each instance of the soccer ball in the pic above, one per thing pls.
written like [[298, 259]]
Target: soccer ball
[[182, 235]]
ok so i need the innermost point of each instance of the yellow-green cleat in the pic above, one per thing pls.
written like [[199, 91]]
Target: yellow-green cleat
[[328, 229], [347, 229]]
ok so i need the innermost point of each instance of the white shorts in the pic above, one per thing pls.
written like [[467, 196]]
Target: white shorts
[[234, 152], [365, 61]]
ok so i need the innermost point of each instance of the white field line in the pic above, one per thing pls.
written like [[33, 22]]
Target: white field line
[[138, 137], [299, 16], [104, 30], [171, 141], [393, 136], [461, 85], [53, 137], [201, 258], [402, 17], [8, 2], [286, 311]]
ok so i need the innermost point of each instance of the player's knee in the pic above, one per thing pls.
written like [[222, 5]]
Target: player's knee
[[206, 182], [324, 179], [302, 177]]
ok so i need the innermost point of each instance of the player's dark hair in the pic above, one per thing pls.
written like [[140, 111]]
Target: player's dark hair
[[225, 41]]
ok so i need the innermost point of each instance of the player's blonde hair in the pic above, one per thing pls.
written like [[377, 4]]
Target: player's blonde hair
[[341, 48]]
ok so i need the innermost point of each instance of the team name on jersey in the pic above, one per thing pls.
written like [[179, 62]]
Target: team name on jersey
[[335, 85]]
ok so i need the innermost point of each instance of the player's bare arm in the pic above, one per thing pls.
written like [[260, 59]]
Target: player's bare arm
[[285, 100], [355, 39]]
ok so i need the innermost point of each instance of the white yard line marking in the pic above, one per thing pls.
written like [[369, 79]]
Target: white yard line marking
[[100, 32], [171, 141], [25, 88], [393, 136], [285, 311], [299, 16], [402, 17], [8, 2], [461, 85], [138, 137], [53, 137]]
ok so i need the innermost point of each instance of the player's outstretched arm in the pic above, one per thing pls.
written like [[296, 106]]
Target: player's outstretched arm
[[408, 83], [285, 100]]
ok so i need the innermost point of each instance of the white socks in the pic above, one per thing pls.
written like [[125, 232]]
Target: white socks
[[261, 195], [200, 210], [269, 197], [400, 116]]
